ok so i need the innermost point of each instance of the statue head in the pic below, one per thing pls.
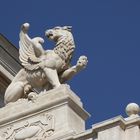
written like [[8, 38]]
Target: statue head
[[58, 32]]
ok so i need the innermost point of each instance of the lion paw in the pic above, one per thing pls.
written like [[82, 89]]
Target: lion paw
[[82, 62]]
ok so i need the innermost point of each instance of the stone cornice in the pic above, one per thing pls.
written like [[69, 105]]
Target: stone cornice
[[53, 98], [116, 121], [9, 57]]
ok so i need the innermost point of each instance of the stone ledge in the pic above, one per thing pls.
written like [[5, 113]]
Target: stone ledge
[[105, 125], [55, 114], [46, 101]]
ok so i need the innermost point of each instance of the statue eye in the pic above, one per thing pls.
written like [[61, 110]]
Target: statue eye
[[56, 28]]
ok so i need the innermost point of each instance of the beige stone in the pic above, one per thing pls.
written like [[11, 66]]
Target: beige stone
[[44, 69], [57, 113]]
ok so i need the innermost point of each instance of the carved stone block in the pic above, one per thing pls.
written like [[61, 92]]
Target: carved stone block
[[40, 126], [57, 113]]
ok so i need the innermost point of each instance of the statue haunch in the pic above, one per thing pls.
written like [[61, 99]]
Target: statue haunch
[[44, 69]]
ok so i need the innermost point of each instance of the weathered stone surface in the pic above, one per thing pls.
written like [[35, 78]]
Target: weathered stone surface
[[116, 128], [57, 113], [9, 62], [132, 133], [44, 69], [132, 110], [113, 133]]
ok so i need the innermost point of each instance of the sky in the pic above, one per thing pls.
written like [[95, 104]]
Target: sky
[[106, 31]]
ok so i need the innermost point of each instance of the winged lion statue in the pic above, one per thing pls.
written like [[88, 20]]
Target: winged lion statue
[[44, 69]]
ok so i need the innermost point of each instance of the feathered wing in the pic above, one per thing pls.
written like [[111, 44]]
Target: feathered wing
[[26, 51]]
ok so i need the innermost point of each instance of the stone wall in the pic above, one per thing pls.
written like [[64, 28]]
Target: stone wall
[[9, 65], [58, 114], [117, 128]]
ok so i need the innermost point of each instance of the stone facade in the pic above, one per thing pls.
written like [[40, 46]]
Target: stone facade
[[9, 65], [57, 114]]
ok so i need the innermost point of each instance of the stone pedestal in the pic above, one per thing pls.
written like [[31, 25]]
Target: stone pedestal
[[56, 114]]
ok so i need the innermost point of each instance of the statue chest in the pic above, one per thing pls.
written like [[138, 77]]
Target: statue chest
[[37, 78]]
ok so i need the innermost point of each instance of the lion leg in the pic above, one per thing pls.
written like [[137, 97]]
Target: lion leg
[[52, 77], [14, 92]]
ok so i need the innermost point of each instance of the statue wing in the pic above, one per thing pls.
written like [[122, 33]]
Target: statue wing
[[27, 54]]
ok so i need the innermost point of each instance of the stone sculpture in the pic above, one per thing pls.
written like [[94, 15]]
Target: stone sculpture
[[40, 127], [44, 69]]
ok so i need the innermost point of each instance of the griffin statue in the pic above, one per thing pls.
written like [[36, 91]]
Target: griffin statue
[[44, 69]]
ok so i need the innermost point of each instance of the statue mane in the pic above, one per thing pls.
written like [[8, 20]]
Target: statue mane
[[65, 47]]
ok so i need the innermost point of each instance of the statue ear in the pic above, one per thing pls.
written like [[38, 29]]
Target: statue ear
[[68, 28]]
